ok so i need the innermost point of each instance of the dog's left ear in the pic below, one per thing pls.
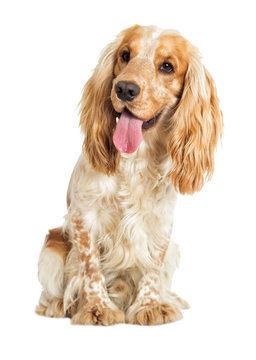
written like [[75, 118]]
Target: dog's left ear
[[98, 118], [195, 129]]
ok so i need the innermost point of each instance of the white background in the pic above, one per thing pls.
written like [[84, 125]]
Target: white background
[[48, 49]]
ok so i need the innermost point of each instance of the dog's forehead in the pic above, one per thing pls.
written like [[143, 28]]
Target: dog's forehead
[[149, 42], [147, 39]]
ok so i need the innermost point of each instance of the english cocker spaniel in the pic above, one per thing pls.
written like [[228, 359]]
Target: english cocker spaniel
[[151, 121]]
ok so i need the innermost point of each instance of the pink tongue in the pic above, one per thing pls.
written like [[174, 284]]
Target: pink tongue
[[128, 133]]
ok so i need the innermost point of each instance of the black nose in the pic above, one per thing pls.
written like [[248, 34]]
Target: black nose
[[127, 91]]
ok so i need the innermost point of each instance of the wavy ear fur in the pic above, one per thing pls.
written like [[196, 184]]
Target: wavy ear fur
[[98, 117], [196, 127]]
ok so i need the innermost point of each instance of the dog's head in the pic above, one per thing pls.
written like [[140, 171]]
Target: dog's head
[[154, 81]]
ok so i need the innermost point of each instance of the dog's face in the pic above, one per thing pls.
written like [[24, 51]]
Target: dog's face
[[149, 73], [155, 82]]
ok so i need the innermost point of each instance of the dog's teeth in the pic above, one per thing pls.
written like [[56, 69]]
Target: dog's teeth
[[117, 119]]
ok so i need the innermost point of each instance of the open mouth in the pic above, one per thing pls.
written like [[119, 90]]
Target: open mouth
[[147, 124], [128, 132]]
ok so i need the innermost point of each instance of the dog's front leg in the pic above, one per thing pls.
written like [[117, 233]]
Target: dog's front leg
[[94, 306], [148, 308]]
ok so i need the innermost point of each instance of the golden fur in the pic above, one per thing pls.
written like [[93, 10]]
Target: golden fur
[[114, 258], [194, 127]]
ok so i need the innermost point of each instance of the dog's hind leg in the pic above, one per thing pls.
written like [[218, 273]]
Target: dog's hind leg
[[51, 267]]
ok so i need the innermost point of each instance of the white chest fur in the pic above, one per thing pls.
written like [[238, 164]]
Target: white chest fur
[[128, 214]]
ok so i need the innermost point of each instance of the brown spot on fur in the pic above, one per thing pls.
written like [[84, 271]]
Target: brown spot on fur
[[57, 241], [88, 251], [153, 290], [84, 239], [89, 256]]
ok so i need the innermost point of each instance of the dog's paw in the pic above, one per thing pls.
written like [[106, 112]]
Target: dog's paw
[[97, 315], [54, 309], [153, 314]]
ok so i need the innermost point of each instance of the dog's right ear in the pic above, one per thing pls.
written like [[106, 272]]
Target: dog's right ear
[[98, 118]]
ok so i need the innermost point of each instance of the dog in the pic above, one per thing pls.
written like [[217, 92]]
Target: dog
[[151, 122]]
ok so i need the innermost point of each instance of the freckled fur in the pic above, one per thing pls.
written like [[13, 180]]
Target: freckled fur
[[113, 259]]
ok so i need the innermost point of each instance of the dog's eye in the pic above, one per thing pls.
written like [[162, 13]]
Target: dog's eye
[[167, 68], [125, 56]]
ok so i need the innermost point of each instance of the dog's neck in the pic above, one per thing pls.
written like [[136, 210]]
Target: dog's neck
[[147, 163]]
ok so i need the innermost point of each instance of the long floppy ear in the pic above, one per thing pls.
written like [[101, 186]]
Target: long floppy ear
[[196, 127], [98, 117]]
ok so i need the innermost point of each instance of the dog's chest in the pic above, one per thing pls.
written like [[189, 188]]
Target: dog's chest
[[129, 213], [137, 204]]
